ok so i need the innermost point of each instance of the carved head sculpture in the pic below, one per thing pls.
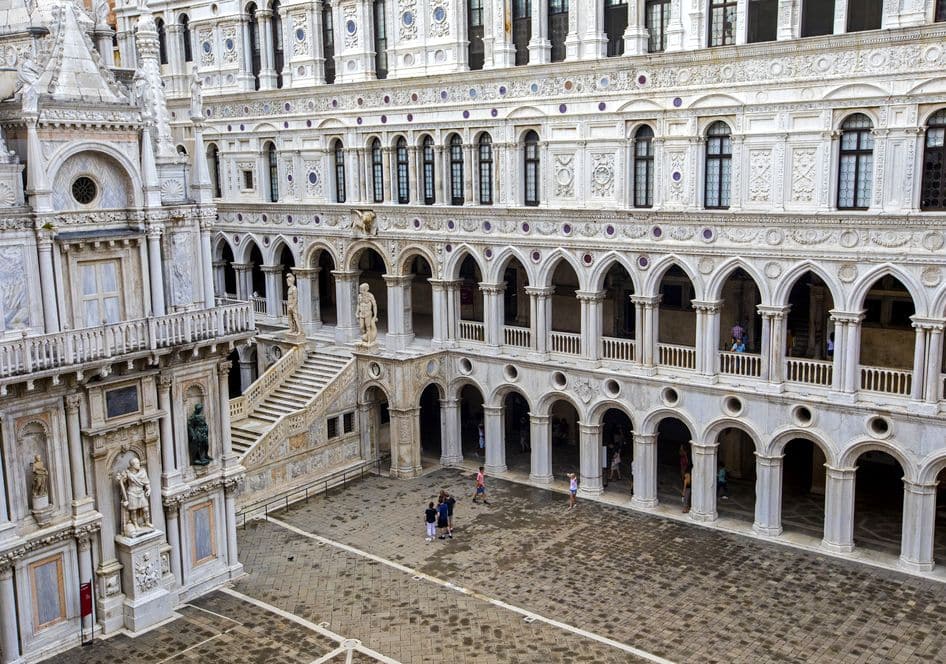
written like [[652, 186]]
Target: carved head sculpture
[[363, 288], [198, 409], [291, 279], [134, 464]]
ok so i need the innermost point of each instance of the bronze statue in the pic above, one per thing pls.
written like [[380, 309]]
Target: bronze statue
[[198, 439]]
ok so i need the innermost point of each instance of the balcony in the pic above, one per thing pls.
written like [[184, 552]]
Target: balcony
[[61, 351]]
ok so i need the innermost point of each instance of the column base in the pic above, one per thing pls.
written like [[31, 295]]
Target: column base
[[540, 51], [644, 503], [590, 492], [766, 531], [540, 479], [406, 473], [84, 506], [451, 461], [837, 548], [495, 470], [703, 517], [915, 566]]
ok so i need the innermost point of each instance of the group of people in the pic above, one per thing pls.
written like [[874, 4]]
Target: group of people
[[439, 520], [738, 341]]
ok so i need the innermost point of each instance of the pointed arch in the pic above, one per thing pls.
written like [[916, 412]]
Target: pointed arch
[[659, 270], [245, 248], [220, 241], [789, 278], [501, 259], [451, 268], [276, 247], [866, 282], [550, 265], [719, 277], [604, 264]]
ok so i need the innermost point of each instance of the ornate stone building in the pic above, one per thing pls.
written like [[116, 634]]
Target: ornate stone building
[[110, 341]]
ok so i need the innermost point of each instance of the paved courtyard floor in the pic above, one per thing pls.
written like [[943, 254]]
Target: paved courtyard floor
[[526, 580]]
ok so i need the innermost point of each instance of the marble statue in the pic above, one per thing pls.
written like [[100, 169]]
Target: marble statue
[[197, 95], [367, 313], [292, 306], [198, 437], [40, 488], [136, 490], [363, 222]]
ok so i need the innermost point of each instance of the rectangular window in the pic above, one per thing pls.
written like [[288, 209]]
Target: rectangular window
[[940, 11], [328, 43], [486, 172], [49, 594], [817, 18], [100, 295], [762, 21], [121, 401], [656, 19], [722, 22], [247, 180], [558, 28], [331, 428], [864, 15], [203, 547], [475, 33], [615, 24], [521, 29], [348, 422], [380, 41]]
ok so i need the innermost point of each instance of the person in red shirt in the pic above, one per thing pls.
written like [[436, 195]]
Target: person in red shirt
[[480, 487]]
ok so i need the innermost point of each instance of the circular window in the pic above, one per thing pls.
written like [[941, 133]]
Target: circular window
[[670, 396], [879, 426], [802, 416], [612, 388], [84, 190], [511, 373], [466, 366], [559, 380], [732, 405]]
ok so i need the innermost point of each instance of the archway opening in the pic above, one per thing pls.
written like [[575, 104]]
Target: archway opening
[[619, 315], [565, 330], [422, 298], [326, 310], [516, 430], [286, 263], [471, 418], [617, 438], [516, 315], [431, 442], [803, 487], [565, 437], [674, 459], [257, 279], [887, 338], [676, 322], [878, 502], [809, 332], [939, 532], [229, 285], [740, 326], [234, 386], [377, 429], [735, 475], [371, 266], [471, 301]]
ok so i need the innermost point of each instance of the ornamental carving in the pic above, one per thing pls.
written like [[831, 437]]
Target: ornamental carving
[[602, 175], [350, 26], [890, 239], [564, 175], [313, 178], [231, 45], [146, 573], [407, 22], [760, 175], [205, 46], [439, 26], [300, 36], [677, 166]]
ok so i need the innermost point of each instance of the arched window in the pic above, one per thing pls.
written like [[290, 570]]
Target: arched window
[[933, 192], [456, 170], [856, 163], [253, 28], [615, 24], [644, 167], [380, 40], [213, 164], [328, 43], [278, 54], [558, 28], [403, 171], [522, 29], [186, 38], [530, 153], [718, 166], [377, 171], [162, 41], [339, 151], [273, 164], [427, 148], [484, 151], [475, 26]]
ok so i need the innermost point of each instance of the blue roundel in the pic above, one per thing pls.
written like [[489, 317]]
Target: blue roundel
[[408, 18], [300, 34], [229, 44], [206, 46], [313, 178], [351, 27], [439, 14]]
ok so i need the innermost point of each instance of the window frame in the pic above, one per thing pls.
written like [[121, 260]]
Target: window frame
[[402, 158], [663, 6], [531, 171], [719, 9], [162, 41], [614, 27], [476, 52], [188, 48], [379, 15], [340, 183], [856, 156], [377, 171], [455, 146], [522, 30], [937, 123], [645, 161], [723, 157], [256, 61], [328, 44], [755, 13], [213, 154], [484, 145], [272, 163], [279, 53], [557, 28], [428, 170]]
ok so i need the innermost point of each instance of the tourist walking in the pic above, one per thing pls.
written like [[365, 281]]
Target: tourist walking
[[616, 465], [687, 492], [443, 519], [430, 518], [722, 483], [481, 441], [572, 490], [480, 487]]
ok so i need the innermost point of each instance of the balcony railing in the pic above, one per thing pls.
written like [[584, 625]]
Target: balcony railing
[[811, 372], [567, 343], [671, 355], [613, 348], [517, 336], [75, 347], [471, 330], [888, 381], [259, 305], [740, 364]]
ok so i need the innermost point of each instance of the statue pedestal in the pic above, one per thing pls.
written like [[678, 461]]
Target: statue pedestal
[[146, 579], [42, 511]]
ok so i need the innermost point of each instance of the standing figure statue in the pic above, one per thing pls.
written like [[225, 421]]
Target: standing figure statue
[[292, 306], [197, 95], [198, 437], [367, 313], [40, 488], [136, 490]]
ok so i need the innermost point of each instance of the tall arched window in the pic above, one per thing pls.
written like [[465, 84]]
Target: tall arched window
[[530, 153], [456, 170], [278, 53], [162, 41], [380, 40], [403, 171], [933, 192], [644, 167], [475, 26], [484, 149], [253, 27], [718, 166], [856, 163], [328, 43], [273, 164], [186, 38], [339, 151], [213, 164], [377, 171], [427, 149]]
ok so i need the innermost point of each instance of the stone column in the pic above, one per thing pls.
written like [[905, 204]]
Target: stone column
[[492, 312], [919, 526], [839, 509], [591, 323], [220, 279], [155, 273], [206, 257], [453, 309], [635, 36], [439, 175], [304, 290], [451, 449], [647, 339], [644, 470], [273, 276], [318, 48], [540, 470], [440, 311], [170, 474], [840, 337], [245, 76], [84, 545], [774, 320], [786, 20], [469, 169], [243, 273], [229, 489], [80, 496], [171, 513], [934, 362], [919, 359], [9, 634], [540, 316], [675, 31], [267, 75], [703, 477], [226, 444], [707, 337], [589, 440], [495, 441], [400, 332], [44, 241], [840, 17], [412, 173], [540, 48], [852, 354], [768, 495], [405, 442]]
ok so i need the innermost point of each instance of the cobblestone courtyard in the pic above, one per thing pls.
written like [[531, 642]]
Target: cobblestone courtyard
[[525, 580]]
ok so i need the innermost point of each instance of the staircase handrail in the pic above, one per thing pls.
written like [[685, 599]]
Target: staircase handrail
[[257, 392], [301, 419]]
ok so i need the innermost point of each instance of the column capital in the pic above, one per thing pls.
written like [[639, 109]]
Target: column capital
[[773, 311], [846, 474], [922, 322], [271, 269], [707, 306], [154, 230], [165, 380], [450, 402], [590, 296], [645, 438], [346, 275], [769, 461], [404, 412], [539, 419], [306, 271], [398, 280], [497, 288], [223, 369], [539, 291], [847, 317], [646, 300], [493, 410], [703, 448], [72, 403], [241, 266], [591, 429], [920, 488]]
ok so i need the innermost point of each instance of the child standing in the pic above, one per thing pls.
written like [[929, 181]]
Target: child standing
[[430, 518], [480, 487], [443, 519], [572, 490]]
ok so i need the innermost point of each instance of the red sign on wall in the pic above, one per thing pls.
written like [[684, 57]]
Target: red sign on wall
[[85, 598]]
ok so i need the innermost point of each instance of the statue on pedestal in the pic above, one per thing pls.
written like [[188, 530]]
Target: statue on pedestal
[[367, 314], [198, 437], [136, 490], [292, 306], [197, 95], [40, 488]]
